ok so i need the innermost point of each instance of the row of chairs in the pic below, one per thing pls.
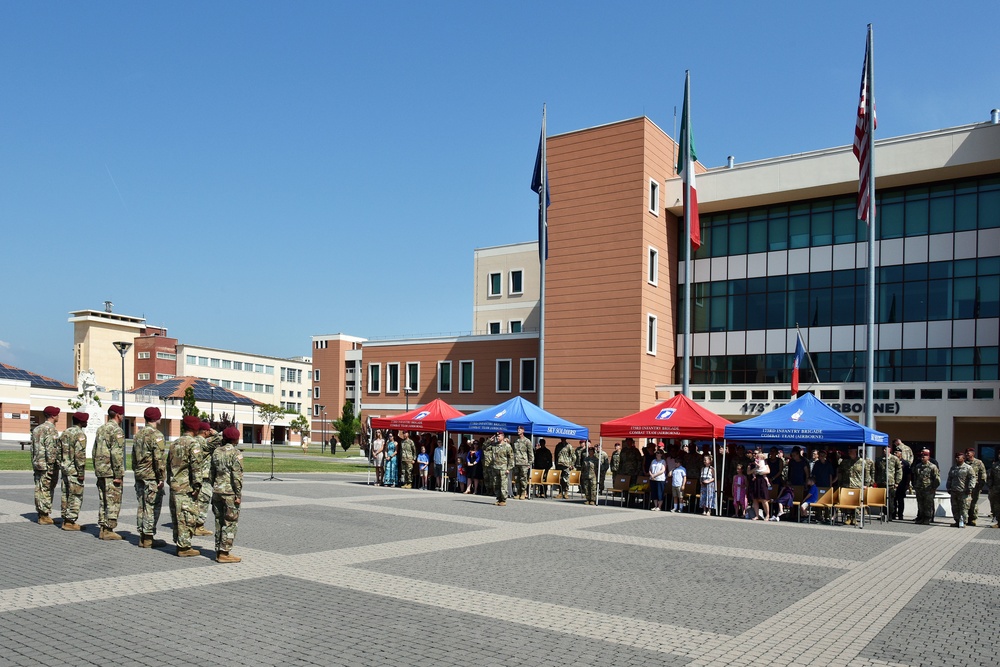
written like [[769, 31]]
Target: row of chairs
[[849, 499]]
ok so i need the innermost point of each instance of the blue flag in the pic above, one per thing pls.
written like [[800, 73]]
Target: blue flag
[[536, 187]]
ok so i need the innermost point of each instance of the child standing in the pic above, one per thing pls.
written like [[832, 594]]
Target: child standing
[[707, 479], [424, 462], [740, 492], [678, 478]]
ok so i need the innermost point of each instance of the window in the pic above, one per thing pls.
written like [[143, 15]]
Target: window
[[514, 326], [315, 411], [315, 392], [444, 377], [216, 363], [237, 365], [527, 375], [392, 378], [282, 374], [258, 368], [190, 359], [465, 376], [503, 376], [268, 388], [203, 361], [169, 356], [413, 376], [654, 197], [516, 282], [259, 388], [227, 363], [654, 266], [164, 376], [143, 355], [227, 384], [144, 376], [495, 285], [494, 328], [316, 375], [269, 370], [651, 334], [237, 385], [374, 378]]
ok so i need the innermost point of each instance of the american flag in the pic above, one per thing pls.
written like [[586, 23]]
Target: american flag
[[862, 132]]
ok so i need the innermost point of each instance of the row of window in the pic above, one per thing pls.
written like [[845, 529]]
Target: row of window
[[953, 393], [292, 374], [236, 385], [228, 364], [960, 289], [159, 376], [911, 211], [291, 394], [958, 364], [445, 379], [169, 356], [513, 326], [291, 407], [515, 283]]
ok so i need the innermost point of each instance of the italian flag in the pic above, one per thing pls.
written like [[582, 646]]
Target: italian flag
[[685, 166]]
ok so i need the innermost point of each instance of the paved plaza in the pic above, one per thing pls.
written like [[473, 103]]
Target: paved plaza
[[336, 572]]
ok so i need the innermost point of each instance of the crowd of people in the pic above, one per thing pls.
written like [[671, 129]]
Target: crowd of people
[[755, 485], [203, 468]]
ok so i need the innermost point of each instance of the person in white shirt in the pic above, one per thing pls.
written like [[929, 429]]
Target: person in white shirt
[[657, 480], [678, 478]]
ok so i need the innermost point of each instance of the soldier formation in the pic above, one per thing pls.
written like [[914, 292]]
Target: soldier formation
[[202, 469]]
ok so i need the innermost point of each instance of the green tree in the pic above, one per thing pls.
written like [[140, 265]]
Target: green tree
[[190, 406], [270, 414], [301, 426], [347, 427]]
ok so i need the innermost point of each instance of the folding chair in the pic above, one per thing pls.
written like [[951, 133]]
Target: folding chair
[[848, 499], [827, 499], [537, 477], [619, 486], [691, 493], [876, 497], [574, 480], [641, 481], [552, 477]]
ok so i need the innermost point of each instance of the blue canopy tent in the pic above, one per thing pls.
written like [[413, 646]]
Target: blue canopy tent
[[807, 419], [516, 412]]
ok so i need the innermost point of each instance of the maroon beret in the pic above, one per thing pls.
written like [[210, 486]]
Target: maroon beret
[[81, 417], [231, 434], [152, 414], [116, 410], [204, 426], [192, 423], [51, 411]]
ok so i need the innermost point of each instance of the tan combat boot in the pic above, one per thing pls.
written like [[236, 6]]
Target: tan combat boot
[[184, 553], [70, 525], [224, 557], [145, 541], [201, 530], [111, 535], [45, 520]]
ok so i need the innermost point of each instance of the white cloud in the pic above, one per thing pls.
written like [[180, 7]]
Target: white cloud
[[4, 344]]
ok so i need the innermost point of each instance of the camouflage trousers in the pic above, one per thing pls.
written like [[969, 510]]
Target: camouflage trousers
[[109, 503], [184, 516], [995, 504], [498, 478], [925, 505], [588, 487], [72, 498], [563, 480], [150, 498], [522, 475], [406, 473], [227, 514], [45, 488], [203, 501], [960, 507], [973, 513]]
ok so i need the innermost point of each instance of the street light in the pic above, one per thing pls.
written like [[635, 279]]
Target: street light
[[211, 408], [253, 424], [322, 447], [122, 347]]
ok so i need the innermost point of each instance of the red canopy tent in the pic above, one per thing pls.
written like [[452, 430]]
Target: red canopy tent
[[430, 417], [678, 417]]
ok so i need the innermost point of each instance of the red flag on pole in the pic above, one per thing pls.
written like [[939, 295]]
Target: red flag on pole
[[866, 124], [685, 166]]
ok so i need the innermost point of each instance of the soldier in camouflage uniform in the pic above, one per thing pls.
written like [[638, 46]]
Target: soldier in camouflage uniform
[[979, 474], [109, 467], [498, 459], [631, 460], [926, 478], [45, 462], [889, 475], [903, 449], [524, 458], [993, 482], [589, 465], [407, 455], [565, 461], [227, 492], [149, 464], [208, 439], [185, 480], [961, 481], [73, 463]]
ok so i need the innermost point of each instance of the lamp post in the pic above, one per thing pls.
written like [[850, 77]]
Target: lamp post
[[322, 448], [123, 347], [253, 424], [211, 409]]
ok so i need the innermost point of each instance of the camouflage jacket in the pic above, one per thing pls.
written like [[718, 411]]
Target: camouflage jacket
[[961, 480], [895, 471], [109, 451], [616, 462], [227, 471], [149, 455], [524, 453], [208, 446], [567, 457], [925, 477], [498, 455], [589, 464], [993, 477], [73, 452], [44, 446], [978, 473], [184, 465], [631, 461], [906, 452], [407, 451]]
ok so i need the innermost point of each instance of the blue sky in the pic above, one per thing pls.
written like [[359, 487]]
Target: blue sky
[[250, 174]]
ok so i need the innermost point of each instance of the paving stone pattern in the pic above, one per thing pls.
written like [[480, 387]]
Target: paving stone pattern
[[337, 572]]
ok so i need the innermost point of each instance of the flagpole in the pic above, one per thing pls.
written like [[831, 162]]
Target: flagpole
[[686, 161], [543, 247], [870, 329]]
